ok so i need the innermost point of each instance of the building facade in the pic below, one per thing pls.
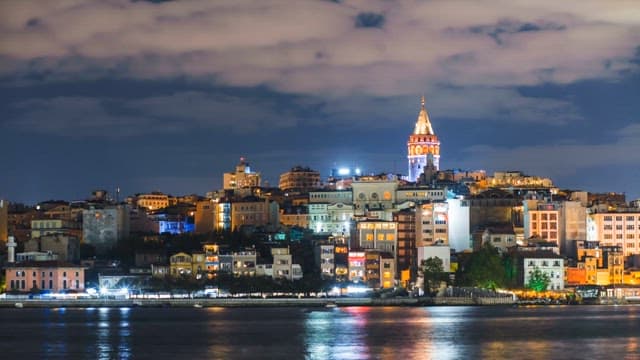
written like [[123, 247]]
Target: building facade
[[241, 178], [299, 179], [45, 275], [620, 229], [102, 228]]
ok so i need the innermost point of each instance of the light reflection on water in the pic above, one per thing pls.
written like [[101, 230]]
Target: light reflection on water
[[340, 333]]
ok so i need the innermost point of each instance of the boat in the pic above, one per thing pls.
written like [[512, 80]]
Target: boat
[[331, 305], [19, 305], [197, 305]]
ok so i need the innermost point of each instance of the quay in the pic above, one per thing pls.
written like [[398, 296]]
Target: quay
[[250, 302]]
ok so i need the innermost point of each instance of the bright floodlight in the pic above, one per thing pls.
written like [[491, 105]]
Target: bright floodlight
[[343, 171], [357, 171]]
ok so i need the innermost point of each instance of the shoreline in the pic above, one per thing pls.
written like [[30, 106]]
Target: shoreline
[[252, 302]]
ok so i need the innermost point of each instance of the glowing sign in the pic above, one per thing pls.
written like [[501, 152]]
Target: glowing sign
[[341, 250]]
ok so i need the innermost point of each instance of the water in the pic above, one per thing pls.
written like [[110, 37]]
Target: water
[[554, 332]]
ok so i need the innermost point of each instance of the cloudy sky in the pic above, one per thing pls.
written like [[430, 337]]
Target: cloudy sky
[[167, 95]]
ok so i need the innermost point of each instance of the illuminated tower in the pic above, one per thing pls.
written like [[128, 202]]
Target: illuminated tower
[[421, 143]]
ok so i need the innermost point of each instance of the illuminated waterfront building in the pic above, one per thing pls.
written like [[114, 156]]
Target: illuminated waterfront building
[[423, 144], [183, 264], [548, 263], [44, 275], [596, 265]]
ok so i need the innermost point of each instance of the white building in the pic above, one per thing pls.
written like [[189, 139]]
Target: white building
[[441, 252], [616, 229], [550, 264], [459, 231], [432, 224]]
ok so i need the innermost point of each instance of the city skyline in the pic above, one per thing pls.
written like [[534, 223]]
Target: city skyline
[[167, 96]]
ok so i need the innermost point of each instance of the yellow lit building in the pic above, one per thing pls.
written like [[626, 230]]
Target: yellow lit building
[[183, 264], [597, 266], [152, 201], [243, 177], [44, 227], [377, 234]]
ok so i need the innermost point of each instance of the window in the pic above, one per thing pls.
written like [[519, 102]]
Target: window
[[50, 273], [556, 263], [545, 263], [50, 284], [34, 274], [77, 284], [42, 283], [618, 218], [12, 285], [35, 285], [23, 283], [64, 284]]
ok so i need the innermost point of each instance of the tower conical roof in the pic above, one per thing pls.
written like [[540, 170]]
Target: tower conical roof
[[423, 125]]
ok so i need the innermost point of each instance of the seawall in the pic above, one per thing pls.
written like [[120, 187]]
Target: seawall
[[247, 302]]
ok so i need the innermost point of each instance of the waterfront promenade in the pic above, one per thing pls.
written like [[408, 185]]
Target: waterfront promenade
[[251, 302]]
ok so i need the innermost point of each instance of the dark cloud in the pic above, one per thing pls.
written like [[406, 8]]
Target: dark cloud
[[369, 20]]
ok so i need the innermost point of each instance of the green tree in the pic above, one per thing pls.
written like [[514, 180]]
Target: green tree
[[484, 268], [433, 273], [538, 280]]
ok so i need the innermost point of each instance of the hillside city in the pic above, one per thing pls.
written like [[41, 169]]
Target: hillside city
[[424, 233]]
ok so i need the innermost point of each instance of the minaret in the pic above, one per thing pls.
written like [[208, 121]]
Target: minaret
[[11, 250], [421, 143]]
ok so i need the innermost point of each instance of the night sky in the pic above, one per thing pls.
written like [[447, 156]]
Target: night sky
[[168, 95]]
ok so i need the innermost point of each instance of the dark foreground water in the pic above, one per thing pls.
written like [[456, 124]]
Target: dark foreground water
[[562, 332]]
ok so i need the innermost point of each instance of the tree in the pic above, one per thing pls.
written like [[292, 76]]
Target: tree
[[433, 273], [538, 280], [484, 268]]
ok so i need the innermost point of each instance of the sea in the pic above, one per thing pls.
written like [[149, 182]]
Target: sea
[[474, 332]]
